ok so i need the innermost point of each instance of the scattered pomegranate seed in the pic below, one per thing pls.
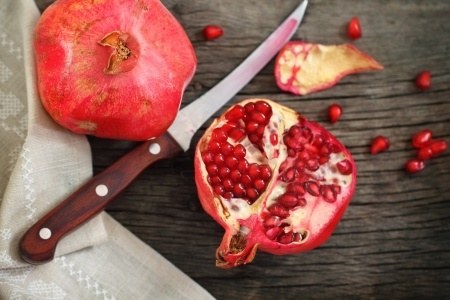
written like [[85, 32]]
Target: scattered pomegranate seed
[[354, 29], [423, 80], [424, 153], [379, 144], [334, 112], [414, 165], [421, 138], [438, 147], [212, 32]]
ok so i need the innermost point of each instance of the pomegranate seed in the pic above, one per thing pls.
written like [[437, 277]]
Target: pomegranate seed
[[246, 180], [265, 172], [212, 169], [379, 144], [312, 188], [249, 107], [279, 210], [219, 159], [227, 195], [263, 107], [253, 171], [327, 192], [423, 80], [272, 221], [312, 165], [289, 175], [239, 151], [354, 28], [424, 153], [296, 188], [207, 157], [259, 185], [214, 147], [242, 166], [237, 134], [258, 117], [414, 165], [272, 233], [323, 160], [239, 190], [212, 32], [235, 175], [254, 138], [421, 138], [227, 148], [288, 200], [301, 202], [235, 114], [286, 238], [231, 162], [336, 189], [224, 172], [438, 147], [344, 167], [216, 180], [274, 139], [252, 194], [219, 134], [218, 190], [227, 184], [251, 127], [334, 112]]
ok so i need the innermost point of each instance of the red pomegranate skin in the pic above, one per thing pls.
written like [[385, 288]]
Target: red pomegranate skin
[[111, 68]]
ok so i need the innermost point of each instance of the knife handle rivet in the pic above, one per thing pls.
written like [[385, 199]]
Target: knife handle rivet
[[101, 190], [45, 233], [154, 148]]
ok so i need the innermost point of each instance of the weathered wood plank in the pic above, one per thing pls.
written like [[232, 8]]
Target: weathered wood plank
[[394, 240]]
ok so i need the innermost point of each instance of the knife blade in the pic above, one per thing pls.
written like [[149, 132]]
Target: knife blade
[[38, 244]]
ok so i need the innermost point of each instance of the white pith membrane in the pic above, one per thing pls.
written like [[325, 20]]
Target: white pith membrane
[[301, 218]]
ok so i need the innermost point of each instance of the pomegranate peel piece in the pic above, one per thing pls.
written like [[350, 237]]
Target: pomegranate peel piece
[[303, 68], [295, 181]]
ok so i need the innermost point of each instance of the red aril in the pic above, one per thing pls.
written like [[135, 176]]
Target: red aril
[[334, 113], [212, 32], [423, 80], [421, 138], [291, 190], [354, 28], [414, 165], [438, 147], [379, 144], [111, 68], [425, 153]]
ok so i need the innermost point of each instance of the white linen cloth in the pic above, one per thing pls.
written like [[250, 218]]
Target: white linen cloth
[[41, 164]]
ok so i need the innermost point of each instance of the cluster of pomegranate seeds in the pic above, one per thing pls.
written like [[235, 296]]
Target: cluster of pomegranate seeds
[[427, 148], [334, 113], [212, 32], [423, 80], [306, 153], [379, 144], [354, 28], [229, 172]]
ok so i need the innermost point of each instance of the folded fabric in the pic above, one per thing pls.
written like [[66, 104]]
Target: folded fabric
[[42, 164]]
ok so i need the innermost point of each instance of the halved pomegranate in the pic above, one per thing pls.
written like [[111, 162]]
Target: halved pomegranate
[[111, 68], [272, 179]]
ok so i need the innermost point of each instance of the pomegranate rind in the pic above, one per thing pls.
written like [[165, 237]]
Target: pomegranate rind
[[302, 68], [87, 93], [321, 217]]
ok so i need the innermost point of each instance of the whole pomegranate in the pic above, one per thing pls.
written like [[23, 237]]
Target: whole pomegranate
[[272, 179], [112, 68]]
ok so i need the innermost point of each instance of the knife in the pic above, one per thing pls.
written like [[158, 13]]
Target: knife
[[39, 243]]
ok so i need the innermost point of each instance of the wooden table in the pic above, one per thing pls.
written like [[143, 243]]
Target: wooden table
[[394, 240]]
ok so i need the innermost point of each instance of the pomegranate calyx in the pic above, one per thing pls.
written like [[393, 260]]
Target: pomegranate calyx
[[121, 52], [235, 250]]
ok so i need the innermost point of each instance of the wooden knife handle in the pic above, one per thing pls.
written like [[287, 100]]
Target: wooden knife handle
[[38, 244]]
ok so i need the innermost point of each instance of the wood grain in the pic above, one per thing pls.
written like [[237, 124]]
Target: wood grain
[[394, 240]]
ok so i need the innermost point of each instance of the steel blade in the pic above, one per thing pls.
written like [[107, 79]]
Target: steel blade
[[192, 117]]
